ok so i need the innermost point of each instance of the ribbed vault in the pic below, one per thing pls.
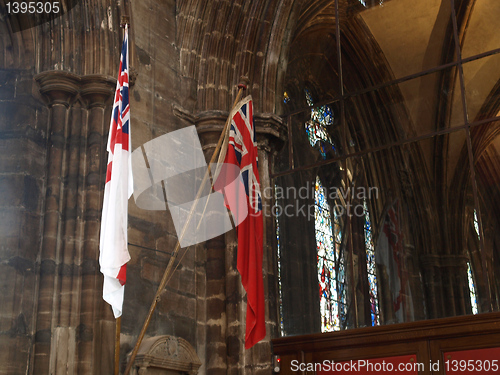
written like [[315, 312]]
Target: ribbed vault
[[222, 40], [85, 40]]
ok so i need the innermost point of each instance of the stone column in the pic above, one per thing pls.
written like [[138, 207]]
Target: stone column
[[445, 278], [59, 89], [23, 141], [209, 127], [361, 285], [97, 324], [454, 273], [415, 283], [74, 332], [299, 270], [429, 264]]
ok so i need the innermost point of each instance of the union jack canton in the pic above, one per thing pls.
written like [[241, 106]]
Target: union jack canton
[[242, 140]]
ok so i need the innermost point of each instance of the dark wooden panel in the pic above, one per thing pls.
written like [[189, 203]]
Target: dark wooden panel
[[440, 348], [428, 340]]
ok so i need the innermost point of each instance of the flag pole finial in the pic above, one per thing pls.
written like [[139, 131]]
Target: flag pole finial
[[244, 82], [125, 20]]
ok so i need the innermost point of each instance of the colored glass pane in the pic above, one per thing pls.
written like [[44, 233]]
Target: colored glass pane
[[322, 115], [476, 224], [370, 267], [309, 99], [280, 291], [315, 128], [330, 265], [286, 98], [472, 289]]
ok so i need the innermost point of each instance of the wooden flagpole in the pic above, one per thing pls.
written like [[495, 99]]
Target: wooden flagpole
[[125, 23], [117, 345], [166, 275]]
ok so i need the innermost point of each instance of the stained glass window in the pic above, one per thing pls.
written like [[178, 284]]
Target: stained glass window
[[472, 285], [331, 270], [280, 291], [472, 289], [476, 224], [380, 2], [315, 127], [370, 267], [286, 98]]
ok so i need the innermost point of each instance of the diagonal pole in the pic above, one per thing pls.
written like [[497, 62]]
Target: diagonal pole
[[166, 274]]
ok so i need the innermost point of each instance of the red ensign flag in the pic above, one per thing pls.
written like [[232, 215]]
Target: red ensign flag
[[242, 153]]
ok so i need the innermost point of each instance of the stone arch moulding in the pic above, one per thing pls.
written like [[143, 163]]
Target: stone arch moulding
[[166, 355]]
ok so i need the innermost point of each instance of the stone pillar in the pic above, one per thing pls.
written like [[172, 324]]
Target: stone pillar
[[415, 283], [446, 283], [23, 137], [74, 332], [454, 271], [449, 300], [209, 128], [216, 349], [60, 90], [299, 270], [430, 272], [97, 324], [235, 309], [361, 285]]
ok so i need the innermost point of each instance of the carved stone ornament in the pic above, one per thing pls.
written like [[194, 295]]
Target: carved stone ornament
[[166, 355]]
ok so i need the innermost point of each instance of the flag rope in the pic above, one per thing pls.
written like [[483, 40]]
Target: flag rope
[[168, 270]]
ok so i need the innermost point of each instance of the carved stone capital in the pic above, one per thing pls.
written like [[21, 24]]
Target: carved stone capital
[[97, 89], [209, 126], [270, 128], [58, 87]]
